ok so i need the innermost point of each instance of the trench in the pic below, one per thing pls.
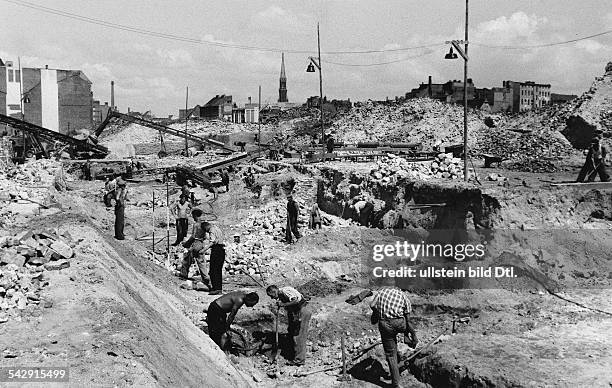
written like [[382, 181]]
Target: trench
[[407, 203]]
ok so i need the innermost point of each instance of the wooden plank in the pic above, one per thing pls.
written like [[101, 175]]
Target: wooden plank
[[592, 185]]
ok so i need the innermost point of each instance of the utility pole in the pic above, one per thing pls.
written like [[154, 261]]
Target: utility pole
[[259, 122], [23, 136], [466, 173], [186, 118], [321, 86]]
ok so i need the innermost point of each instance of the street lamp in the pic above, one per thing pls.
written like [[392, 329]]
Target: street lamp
[[316, 62], [464, 54]]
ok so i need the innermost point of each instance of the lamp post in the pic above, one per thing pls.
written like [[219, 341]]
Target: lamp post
[[316, 62], [464, 54]]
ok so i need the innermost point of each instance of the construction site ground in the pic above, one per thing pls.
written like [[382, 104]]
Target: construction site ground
[[119, 317]]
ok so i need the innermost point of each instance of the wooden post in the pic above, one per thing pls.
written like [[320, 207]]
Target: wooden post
[[153, 224], [167, 222]]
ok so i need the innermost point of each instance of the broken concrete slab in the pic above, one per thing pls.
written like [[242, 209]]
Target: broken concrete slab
[[57, 265]]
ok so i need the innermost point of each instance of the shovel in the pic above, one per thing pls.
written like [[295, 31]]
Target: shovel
[[275, 349]]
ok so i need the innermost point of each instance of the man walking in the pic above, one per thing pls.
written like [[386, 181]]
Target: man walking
[[215, 243], [217, 315], [195, 244], [293, 210], [120, 198], [298, 315], [181, 210], [595, 163], [391, 310]]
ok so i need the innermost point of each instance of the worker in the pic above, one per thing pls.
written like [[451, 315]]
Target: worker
[[391, 311], [109, 191], [186, 191], [214, 241], [240, 144], [330, 144], [595, 163], [195, 244], [298, 315], [217, 315], [315, 216], [225, 179], [364, 210], [120, 198], [181, 210], [293, 211]]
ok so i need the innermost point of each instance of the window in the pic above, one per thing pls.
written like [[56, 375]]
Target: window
[[10, 75], [17, 76]]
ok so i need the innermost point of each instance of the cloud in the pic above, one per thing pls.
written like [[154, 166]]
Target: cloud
[[276, 18], [519, 27]]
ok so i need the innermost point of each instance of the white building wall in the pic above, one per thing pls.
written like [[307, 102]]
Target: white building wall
[[49, 97], [12, 90]]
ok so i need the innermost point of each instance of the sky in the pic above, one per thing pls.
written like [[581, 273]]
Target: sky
[[152, 73]]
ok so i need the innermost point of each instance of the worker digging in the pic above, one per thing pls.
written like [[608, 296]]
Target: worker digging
[[233, 232]]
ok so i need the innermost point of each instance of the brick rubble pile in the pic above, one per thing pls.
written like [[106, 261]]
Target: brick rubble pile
[[391, 169], [24, 260]]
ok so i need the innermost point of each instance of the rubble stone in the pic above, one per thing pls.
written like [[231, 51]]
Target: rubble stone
[[57, 265]]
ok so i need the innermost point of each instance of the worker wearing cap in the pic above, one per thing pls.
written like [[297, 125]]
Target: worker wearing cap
[[298, 316], [391, 310], [595, 163], [215, 242], [195, 243], [120, 199], [293, 211]]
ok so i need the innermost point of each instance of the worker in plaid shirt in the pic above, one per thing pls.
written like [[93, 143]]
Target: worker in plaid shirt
[[391, 310]]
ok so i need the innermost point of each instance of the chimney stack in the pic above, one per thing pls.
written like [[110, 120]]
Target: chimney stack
[[429, 91], [113, 95], [249, 100]]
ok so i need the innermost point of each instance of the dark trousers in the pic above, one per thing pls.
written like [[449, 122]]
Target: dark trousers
[[292, 229], [299, 321], [590, 173], [217, 258], [365, 216], [216, 319], [389, 329], [192, 255], [119, 221], [182, 224]]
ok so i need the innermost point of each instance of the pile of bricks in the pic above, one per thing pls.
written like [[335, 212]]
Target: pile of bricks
[[24, 260]]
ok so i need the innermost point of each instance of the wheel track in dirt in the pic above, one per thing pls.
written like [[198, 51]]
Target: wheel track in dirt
[[175, 351]]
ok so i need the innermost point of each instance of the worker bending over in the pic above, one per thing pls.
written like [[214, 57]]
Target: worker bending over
[[217, 316], [595, 163]]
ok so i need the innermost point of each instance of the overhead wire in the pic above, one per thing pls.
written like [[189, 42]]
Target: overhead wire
[[429, 52], [142, 31], [528, 47], [145, 32]]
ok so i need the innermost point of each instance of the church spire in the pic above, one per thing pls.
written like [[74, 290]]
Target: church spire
[[282, 89]]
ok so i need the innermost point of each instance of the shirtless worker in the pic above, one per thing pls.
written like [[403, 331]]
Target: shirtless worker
[[217, 316]]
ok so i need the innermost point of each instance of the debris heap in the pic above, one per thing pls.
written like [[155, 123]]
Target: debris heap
[[24, 260], [391, 169]]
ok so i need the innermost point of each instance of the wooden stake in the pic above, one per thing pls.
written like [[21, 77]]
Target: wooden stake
[[153, 224]]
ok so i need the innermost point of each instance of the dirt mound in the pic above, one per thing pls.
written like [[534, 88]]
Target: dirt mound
[[592, 112]]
